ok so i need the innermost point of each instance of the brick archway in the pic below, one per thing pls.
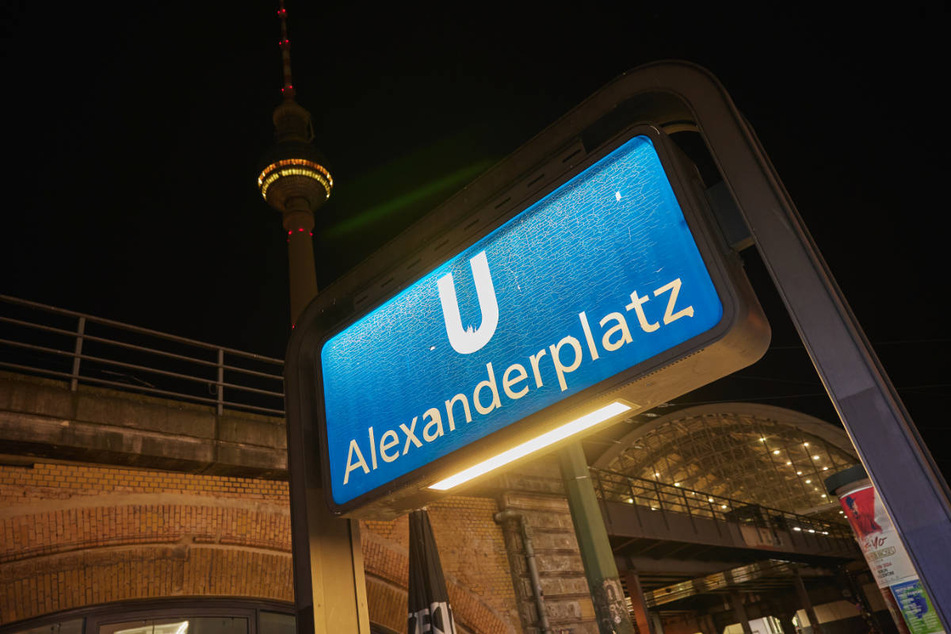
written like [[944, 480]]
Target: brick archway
[[79, 536], [74, 536], [386, 562]]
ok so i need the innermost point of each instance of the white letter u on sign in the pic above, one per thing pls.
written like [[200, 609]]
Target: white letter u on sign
[[470, 340]]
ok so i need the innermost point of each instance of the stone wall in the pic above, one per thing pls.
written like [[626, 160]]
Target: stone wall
[[535, 492], [45, 419]]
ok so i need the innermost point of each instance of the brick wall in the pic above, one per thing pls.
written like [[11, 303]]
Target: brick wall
[[473, 556], [73, 536]]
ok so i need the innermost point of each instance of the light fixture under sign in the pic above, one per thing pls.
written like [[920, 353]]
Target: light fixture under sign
[[533, 445]]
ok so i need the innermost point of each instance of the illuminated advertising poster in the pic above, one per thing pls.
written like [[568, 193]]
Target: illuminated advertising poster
[[888, 560], [595, 278], [915, 605]]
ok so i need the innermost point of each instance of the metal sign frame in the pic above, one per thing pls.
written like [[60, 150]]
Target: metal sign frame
[[739, 338], [671, 93]]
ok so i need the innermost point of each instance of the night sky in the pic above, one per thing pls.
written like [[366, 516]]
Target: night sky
[[134, 132]]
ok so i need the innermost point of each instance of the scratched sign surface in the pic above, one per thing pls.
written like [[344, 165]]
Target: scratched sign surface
[[597, 277]]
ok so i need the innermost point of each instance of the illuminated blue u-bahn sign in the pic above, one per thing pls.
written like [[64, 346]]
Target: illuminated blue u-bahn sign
[[568, 315]]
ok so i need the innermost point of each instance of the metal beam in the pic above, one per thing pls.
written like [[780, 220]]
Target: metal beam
[[899, 464], [600, 569]]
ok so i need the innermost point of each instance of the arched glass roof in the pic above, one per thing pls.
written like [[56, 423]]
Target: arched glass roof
[[759, 454]]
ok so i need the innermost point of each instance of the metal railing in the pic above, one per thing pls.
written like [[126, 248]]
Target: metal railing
[[658, 496], [75, 348]]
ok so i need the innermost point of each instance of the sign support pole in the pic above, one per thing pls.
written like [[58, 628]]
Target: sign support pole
[[340, 601], [329, 580], [898, 462], [600, 568]]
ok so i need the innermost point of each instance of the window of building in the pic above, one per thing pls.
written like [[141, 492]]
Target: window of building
[[73, 626], [191, 625]]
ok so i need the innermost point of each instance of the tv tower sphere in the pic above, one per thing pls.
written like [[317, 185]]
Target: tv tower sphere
[[294, 167]]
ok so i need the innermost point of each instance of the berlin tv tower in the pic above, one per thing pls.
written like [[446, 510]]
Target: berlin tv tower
[[329, 581], [295, 182]]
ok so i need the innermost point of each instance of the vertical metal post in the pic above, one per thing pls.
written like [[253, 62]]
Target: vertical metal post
[[221, 381], [336, 565], [858, 596], [683, 494], [739, 611], [533, 575], [636, 593], [77, 354], [596, 554], [785, 621], [717, 519], [899, 464], [329, 579], [806, 602], [915, 494]]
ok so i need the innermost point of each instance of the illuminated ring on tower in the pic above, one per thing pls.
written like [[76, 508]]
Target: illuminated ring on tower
[[295, 167]]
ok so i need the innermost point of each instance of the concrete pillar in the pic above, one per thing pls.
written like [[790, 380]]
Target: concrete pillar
[[298, 221]]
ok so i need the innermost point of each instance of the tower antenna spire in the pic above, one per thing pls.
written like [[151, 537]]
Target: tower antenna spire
[[288, 89]]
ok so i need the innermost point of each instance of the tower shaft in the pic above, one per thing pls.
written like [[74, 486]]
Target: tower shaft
[[299, 224]]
